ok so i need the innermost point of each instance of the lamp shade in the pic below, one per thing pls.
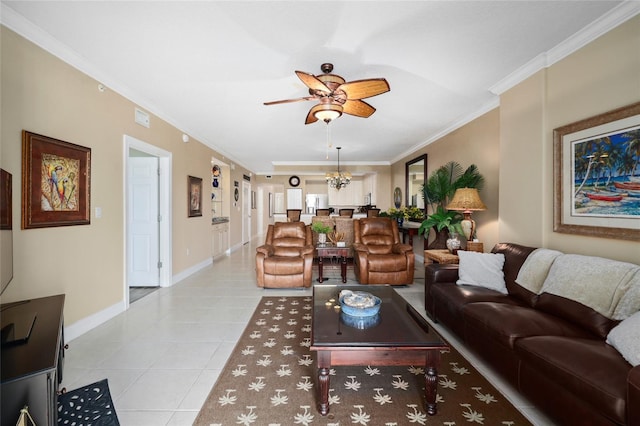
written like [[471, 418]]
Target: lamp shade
[[466, 200], [327, 111]]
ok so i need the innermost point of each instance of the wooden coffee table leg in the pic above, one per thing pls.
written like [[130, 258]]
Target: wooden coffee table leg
[[431, 381], [344, 269], [320, 269], [323, 391]]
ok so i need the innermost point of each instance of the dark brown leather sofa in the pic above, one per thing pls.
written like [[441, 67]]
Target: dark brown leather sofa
[[379, 256], [286, 258], [564, 367]]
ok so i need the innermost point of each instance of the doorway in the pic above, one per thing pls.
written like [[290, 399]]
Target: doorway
[[147, 216], [246, 212]]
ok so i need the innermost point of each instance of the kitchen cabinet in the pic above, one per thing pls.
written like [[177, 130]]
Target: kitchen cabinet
[[350, 195], [219, 239]]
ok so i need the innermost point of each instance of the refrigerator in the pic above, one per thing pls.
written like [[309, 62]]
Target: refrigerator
[[316, 201]]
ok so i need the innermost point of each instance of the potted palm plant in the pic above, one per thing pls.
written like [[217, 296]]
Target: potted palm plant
[[438, 191]]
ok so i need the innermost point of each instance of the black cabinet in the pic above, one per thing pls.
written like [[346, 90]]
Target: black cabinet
[[32, 369]]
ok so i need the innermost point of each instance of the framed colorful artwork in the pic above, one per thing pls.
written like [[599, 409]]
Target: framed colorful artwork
[[56, 178], [597, 175], [194, 189]]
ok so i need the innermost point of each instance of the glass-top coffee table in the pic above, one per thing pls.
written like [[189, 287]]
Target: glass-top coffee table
[[398, 335]]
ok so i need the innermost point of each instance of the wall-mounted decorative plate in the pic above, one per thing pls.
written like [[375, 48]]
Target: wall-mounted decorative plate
[[294, 181], [215, 170], [397, 197], [236, 194]]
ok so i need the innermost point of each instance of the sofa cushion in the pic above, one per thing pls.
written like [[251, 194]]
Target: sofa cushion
[[482, 269], [588, 368], [577, 313], [598, 283], [625, 337], [535, 269], [514, 257], [506, 322]]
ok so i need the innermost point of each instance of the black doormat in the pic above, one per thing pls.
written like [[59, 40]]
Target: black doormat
[[90, 405]]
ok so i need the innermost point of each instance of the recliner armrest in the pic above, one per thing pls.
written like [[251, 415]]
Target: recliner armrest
[[266, 249], [401, 248], [309, 249], [360, 247]]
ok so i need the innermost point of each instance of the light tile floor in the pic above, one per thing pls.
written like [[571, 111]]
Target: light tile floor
[[164, 354]]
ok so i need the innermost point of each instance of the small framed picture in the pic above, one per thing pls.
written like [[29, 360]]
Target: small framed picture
[[194, 191]]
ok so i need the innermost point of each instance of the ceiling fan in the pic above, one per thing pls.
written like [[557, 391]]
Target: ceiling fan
[[335, 96]]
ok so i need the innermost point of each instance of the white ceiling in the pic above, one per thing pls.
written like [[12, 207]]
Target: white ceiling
[[207, 66]]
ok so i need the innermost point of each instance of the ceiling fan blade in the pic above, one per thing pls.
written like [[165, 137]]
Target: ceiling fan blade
[[361, 89], [358, 108], [286, 101], [312, 82], [311, 118]]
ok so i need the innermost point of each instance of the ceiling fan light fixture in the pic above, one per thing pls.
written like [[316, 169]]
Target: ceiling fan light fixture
[[327, 112]]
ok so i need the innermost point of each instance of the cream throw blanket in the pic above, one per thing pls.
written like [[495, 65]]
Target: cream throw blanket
[[607, 286], [535, 269]]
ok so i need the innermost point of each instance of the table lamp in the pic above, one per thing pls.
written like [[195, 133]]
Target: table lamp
[[467, 200]]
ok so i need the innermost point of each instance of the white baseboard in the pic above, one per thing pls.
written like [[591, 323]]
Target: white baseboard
[[78, 328], [86, 324], [190, 271]]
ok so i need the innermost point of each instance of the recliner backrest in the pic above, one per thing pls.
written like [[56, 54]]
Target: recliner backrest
[[376, 231]]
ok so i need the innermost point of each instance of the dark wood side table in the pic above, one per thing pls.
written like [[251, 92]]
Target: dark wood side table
[[402, 337], [331, 250], [32, 369]]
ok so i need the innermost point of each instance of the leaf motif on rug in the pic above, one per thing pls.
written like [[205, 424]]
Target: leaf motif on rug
[[270, 380]]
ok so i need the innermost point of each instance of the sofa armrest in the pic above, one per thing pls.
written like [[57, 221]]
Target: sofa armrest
[[440, 273], [360, 247], [437, 274], [307, 250], [633, 396]]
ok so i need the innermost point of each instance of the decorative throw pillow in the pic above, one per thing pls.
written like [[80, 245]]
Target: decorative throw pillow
[[535, 269], [482, 269], [625, 337]]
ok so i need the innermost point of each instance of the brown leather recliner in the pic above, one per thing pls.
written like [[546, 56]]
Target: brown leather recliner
[[286, 258], [379, 257]]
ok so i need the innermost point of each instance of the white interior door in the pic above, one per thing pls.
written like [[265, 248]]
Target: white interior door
[[246, 212], [143, 245]]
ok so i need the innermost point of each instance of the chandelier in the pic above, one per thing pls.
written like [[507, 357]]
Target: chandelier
[[338, 179]]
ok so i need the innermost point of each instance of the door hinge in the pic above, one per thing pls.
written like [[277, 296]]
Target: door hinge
[[159, 265], [159, 218]]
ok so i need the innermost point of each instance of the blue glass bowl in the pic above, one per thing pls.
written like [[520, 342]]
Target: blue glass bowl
[[361, 323], [357, 311]]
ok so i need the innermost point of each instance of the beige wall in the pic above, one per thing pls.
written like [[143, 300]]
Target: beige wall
[[44, 95], [513, 145], [602, 76], [475, 143]]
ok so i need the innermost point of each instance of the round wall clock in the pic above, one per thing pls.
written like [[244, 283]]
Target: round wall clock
[[294, 181], [236, 194]]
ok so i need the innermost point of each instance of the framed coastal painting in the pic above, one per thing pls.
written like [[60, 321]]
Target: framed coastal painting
[[597, 175], [194, 189], [56, 179]]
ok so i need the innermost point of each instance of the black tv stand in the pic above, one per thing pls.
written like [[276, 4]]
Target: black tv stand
[[32, 359]]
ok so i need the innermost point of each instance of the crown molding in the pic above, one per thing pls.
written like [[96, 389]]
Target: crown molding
[[25, 28], [586, 35]]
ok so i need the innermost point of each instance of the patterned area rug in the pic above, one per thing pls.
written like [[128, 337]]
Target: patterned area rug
[[271, 374]]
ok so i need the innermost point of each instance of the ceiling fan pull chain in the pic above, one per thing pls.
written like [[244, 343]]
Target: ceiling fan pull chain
[[328, 139]]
